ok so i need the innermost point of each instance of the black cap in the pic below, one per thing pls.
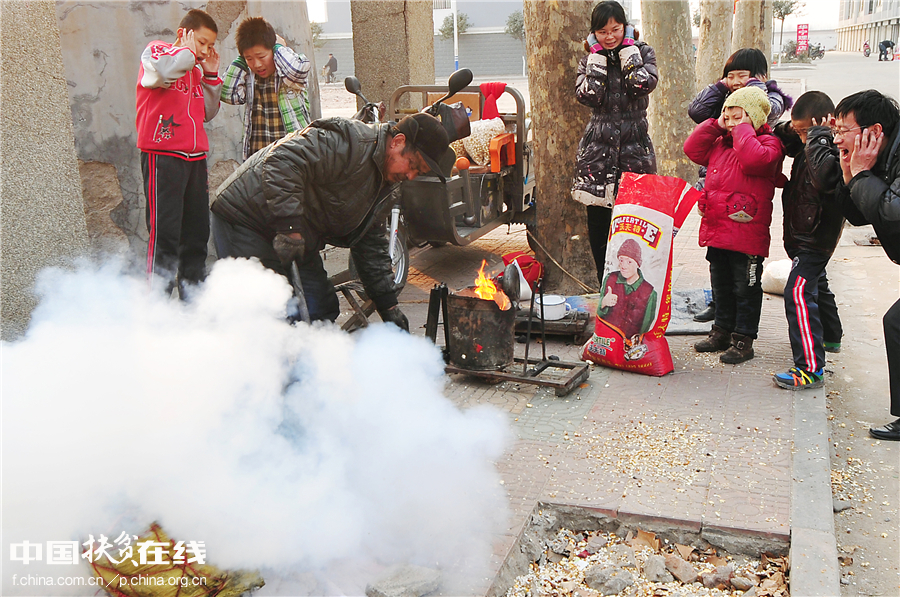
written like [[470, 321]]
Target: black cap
[[429, 137]]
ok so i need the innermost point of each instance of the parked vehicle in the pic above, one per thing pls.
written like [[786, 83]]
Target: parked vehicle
[[867, 50], [816, 51], [476, 199]]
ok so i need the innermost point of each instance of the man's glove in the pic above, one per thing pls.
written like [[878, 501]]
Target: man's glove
[[596, 64], [630, 57], [395, 315], [289, 248]]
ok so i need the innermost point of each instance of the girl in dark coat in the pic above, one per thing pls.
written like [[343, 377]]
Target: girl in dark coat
[[745, 68], [615, 79]]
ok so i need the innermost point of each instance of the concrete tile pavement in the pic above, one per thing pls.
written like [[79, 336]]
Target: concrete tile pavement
[[708, 447]]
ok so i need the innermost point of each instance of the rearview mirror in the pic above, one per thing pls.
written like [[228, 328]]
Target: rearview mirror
[[352, 85], [458, 81]]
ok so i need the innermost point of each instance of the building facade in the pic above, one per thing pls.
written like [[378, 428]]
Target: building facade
[[867, 20]]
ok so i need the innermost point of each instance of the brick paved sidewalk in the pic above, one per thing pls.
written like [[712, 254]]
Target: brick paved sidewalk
[[706, 448]]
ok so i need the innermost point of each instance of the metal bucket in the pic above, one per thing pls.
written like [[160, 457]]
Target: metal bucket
[[482, 336]]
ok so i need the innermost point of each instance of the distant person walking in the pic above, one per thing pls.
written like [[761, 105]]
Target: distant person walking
[[329, 69], [883, 48]]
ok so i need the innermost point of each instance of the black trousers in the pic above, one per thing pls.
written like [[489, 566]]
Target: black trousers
[[233, 240], [737, 286], [811, 310], [598, 220], [891, 322], [177, 216]]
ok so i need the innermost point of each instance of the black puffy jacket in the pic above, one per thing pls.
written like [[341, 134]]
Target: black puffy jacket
[[873, 197], [324, 182], [616, 138], [812, 217]]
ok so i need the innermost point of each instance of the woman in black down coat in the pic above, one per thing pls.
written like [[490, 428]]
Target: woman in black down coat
[[615, 79]]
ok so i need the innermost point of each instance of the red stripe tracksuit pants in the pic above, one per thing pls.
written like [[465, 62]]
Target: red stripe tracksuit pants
[[177, 194], [811, 310]]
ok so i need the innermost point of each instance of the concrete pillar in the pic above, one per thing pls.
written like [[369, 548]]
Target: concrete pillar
[[41, 211], [393, 45]]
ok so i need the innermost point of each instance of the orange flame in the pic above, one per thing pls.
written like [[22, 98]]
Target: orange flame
[[487, 290]]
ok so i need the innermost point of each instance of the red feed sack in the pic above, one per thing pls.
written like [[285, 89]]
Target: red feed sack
[[636, 298]]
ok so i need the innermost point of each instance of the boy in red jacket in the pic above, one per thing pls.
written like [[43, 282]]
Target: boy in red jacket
[[178, 90], [743, 160]]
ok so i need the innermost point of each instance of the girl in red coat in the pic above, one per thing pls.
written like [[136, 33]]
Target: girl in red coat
[[743, 160]]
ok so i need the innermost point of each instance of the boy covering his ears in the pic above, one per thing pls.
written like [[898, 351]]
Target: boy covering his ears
[[269, 79], [178, 90]]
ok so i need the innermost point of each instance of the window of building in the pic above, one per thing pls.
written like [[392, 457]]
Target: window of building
[[441, 4]]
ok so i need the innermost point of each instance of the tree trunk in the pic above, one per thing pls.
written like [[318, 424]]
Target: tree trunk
[[753, 26], [667, 27], [781, 38], [555, 32], [393, 45], [716, 18]]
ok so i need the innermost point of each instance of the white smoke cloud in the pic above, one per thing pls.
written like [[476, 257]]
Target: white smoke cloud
[[284, 448]]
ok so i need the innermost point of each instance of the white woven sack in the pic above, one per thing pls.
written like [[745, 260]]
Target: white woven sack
[[478, 144], [775, 275]]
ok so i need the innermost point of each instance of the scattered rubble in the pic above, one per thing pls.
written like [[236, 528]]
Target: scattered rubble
[[846, 485], [608, 580], [680, 569], [598, 564], [655, 570]]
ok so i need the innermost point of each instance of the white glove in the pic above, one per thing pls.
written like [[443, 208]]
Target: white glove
[[596, 64], [630, 57]]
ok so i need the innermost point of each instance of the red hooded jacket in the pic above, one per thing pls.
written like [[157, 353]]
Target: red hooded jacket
[[744, 167], [174, 97]]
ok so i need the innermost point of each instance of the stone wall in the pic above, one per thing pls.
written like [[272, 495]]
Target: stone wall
[[102, 43], [42, 222]]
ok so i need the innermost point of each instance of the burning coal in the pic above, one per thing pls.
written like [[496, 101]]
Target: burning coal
[[292, 449]]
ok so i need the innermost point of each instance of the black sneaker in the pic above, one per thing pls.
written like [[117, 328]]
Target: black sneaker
[[890, 432]]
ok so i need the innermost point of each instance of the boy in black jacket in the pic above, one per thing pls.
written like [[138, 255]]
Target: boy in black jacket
[[812, 227]]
